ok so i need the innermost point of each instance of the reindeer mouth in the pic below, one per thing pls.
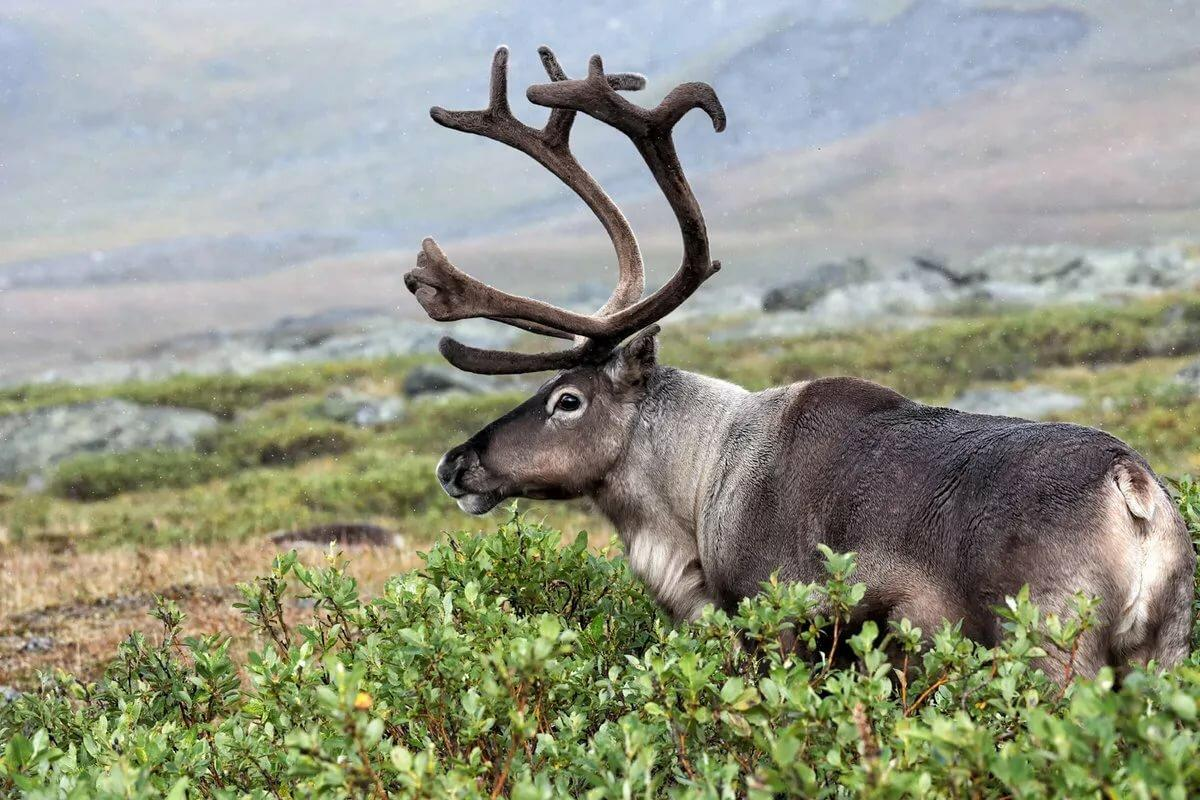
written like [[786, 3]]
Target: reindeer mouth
[[478, 504], [473, 503]]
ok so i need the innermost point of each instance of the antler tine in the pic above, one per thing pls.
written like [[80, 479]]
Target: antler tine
[[447, 293], [505, 362], [650, 130], [595, 97]]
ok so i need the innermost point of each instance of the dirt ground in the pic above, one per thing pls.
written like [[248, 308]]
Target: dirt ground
[[67, 610]]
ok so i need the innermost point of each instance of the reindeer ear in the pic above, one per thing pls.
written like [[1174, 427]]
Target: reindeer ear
[[632, 363]]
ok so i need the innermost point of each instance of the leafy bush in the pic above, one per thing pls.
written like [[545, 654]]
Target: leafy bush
[[97, 477], [512, 666], [391, 487], [273, 443], [258, 443]]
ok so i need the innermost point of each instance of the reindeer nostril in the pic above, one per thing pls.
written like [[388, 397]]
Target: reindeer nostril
[[453, 466], [445, 471]]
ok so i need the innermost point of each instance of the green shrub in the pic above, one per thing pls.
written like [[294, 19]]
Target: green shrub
[[274, 443], [947, 356], [97, 477], [394, 487], [512, 666], [271, 443]]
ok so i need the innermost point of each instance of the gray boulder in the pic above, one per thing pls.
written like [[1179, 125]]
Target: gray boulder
[[1067, 273], [38, 644], [1189, 377], [1032, 402], [802, 292], [430, 379], [36, 440], [361, 409], [893, 303], [344, 534]]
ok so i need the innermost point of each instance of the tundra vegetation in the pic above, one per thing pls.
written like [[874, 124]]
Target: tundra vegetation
[[504, 663]]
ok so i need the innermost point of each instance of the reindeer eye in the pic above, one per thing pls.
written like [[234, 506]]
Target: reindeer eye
[[568, 402]]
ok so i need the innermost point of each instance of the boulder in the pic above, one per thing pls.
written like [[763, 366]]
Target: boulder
[[361, 409], [1032, 402], [318, 339], [1067, 273], [894, 303], [37, 644], [1189, 377], [802, 292], [342, 534], [432, 379], [35, 440]]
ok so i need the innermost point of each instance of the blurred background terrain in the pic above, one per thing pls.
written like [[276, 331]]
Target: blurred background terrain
[[207, 353], [205, 165]]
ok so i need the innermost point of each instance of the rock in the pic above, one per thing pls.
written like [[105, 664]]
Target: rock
[[35, 440], [897, 303], [1067, 273], [361, 409], [1189, 377], [8, 694], [716, 299], [1032, 402], [345, 534], [801, 293], [334, 336], [1176, 332], [37, 644], [432, 379], [933, 264]]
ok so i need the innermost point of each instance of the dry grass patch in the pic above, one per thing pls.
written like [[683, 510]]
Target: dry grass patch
[[63, 609], [69, 610]]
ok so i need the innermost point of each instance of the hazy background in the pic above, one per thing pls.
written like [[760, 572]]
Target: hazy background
[[172, 168]]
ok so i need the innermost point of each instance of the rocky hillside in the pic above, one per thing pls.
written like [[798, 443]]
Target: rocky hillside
[[825, 296]]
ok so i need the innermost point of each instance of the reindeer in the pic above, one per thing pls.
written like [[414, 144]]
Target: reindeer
[[713, 488]]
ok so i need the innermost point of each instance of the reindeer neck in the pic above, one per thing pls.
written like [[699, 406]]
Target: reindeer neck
[[660, 483]]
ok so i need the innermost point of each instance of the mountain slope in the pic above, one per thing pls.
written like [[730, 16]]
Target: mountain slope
[[131, 128]]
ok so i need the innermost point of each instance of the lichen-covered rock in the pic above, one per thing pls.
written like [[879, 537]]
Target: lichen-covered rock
[[35, 440], [317, 339], [802, 292], [343, 534], [1189, 377], [361, 409], [1068, 273]]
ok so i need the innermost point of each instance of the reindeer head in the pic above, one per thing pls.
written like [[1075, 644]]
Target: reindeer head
[[562, 441]]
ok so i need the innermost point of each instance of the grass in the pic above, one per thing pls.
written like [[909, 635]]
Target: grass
[[88, 602], [938, 361], [276, 465], [269, 473], [222, 395]]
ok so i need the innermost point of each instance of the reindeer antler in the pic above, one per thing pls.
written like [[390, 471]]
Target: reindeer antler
[[446, 293]]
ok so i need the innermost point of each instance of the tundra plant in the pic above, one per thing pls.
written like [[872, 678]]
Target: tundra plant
[[511, 665]]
